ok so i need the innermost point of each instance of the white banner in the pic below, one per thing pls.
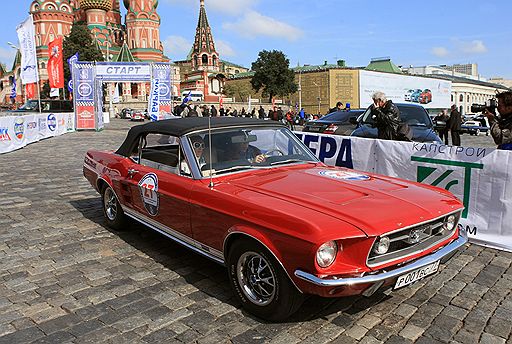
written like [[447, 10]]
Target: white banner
[[26, 37], [115, 94], [19, 131], [429, 92], [480, 177], [154, 100]]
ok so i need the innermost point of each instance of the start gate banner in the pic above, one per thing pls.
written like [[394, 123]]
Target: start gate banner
[[480, 177], [83, 95]]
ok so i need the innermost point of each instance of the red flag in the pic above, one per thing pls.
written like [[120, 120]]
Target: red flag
[[221, 101], [30, 90], [55, 64]]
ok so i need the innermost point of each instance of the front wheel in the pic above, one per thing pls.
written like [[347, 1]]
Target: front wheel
[[260, 283], [114, 215]]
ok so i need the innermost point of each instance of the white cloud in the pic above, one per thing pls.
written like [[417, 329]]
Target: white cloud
[[440, 51], [254, 24], [176, 45], [473, 47], [224, 48], [230, 7]]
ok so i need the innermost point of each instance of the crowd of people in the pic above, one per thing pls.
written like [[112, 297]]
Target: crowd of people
[[385, 114], [276, 113]]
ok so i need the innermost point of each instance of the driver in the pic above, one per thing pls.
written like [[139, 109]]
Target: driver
[[241, 149]]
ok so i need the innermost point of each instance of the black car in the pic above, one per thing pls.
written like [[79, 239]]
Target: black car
[[47, 105], [338, 123], [126, 113], [414, 115]]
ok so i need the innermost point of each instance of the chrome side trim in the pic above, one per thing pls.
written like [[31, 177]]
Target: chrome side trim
[[382, 276], [182, 239], [272, 253]]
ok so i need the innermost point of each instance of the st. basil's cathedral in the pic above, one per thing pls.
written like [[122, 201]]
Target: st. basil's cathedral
[[135, 40]]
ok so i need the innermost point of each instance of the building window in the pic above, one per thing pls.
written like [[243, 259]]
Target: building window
[[452, 98], [43, 66], [214, 60], [204, 59], [195, 61], [468, 98], [461, 98]]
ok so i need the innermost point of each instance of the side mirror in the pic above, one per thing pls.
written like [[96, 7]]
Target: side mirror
[[353, 120]]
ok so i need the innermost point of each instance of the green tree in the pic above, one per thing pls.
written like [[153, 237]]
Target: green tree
[[240, 90], [79, 40], [272, 73]]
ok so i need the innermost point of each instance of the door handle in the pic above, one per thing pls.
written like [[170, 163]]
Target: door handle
[[131, 172]]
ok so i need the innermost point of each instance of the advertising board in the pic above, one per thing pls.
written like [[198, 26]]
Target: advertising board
[[431, 93]]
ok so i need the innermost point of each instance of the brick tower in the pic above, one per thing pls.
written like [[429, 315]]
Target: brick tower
[[52, 19], [143, 30], [203, 54]]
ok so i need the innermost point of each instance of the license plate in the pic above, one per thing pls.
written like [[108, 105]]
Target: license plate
[[417, 274], [314, 129]]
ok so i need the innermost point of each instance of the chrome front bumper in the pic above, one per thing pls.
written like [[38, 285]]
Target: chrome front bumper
[[444, 252]]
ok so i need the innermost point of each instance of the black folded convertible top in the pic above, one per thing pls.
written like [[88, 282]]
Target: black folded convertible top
[[182, 126]]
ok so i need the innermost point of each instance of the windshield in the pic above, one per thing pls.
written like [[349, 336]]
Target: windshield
[[238, 149], [412, 115], [30, 105]]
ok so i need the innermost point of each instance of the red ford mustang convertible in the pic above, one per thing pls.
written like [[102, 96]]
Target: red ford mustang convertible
[[249, 194]]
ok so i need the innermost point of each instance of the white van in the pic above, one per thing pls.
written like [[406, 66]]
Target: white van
[[195, 95]]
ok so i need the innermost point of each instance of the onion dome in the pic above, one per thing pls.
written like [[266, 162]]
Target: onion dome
[[105, 5], [126, 4]]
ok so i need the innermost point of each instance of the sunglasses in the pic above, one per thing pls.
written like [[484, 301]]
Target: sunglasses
[[198, 145]]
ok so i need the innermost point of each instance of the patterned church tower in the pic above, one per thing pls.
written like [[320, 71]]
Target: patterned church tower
[[104, 21], [52, 19], [143, 30], [203, 54]]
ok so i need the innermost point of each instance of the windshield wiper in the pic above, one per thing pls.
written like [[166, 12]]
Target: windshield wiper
[[238, 168], [282, 162]]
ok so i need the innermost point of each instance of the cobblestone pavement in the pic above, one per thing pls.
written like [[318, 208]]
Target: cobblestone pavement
[[65, 277]]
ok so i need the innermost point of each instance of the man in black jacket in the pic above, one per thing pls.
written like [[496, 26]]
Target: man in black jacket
[[454, 123], [501, 127], [386, 116]]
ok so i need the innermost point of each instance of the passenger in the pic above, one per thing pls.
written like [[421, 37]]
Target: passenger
[[198, 148]]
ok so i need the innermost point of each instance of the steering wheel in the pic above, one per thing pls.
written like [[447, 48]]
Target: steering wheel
[[268, 154]]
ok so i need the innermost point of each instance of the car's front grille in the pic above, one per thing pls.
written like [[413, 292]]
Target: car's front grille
[[409, 241]]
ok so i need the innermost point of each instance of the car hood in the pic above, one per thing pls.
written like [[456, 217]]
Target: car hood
[[373, 203]]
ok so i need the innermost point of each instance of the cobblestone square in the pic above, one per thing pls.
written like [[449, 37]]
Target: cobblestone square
[[66, 277]]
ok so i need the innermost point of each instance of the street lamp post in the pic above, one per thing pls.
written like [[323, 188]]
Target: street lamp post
[[300, 90], [110, 107], [15, 47], [319, 97]]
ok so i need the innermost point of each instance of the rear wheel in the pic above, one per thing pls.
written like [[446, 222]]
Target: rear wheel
[[114, 215], [260, 283], [477, 132]]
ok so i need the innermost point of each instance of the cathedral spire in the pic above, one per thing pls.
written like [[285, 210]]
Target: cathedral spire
[[204, 55]]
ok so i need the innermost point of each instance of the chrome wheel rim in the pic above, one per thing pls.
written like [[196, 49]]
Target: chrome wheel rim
[[256, 278], [110, 204]]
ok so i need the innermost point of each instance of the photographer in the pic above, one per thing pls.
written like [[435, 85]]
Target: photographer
[[501, 128], [386, 116]]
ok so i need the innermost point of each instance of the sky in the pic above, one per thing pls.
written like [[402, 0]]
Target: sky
[[311, 32]]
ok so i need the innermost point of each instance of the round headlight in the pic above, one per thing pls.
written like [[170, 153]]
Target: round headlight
[[381, 246], [326, 254], [450, 222]]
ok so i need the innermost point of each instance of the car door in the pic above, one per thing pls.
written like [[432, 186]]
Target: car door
[[160, 196]]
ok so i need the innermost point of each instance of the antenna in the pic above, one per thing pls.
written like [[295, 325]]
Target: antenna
[[211, 185]]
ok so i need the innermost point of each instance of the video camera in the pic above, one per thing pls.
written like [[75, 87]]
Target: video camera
[[491, 105]]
